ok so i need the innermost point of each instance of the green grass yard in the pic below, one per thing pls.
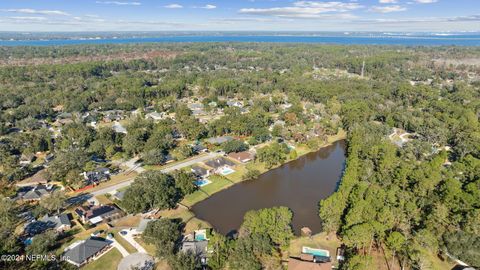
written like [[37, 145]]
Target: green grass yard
[[108, 261]]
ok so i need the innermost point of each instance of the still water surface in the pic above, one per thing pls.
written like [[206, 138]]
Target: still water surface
[[298, 185]]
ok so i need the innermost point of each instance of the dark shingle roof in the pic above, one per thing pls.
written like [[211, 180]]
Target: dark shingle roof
[[199, 171], [85, 250], [57, 220], [219, 162]]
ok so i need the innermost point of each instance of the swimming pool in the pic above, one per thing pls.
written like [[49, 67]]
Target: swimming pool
[[200, 237], [202, 182], [316, 251], [226, 171], [28, 241]]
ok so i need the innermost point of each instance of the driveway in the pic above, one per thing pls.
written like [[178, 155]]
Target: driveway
[[120, 248], [131, 240]]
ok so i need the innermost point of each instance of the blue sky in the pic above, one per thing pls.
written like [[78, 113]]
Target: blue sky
[[238, 15]]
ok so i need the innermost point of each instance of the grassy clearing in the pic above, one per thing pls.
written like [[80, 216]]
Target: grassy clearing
[[218, 183], [108, 261], [102, 199], [320, 240], [129, 221], [150, 248], [192, 223]]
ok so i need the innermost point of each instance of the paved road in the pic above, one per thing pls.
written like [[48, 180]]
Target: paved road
[[178, 166]]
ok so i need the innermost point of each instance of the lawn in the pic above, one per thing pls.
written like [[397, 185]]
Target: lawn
[[108, 261], [218, 183], [192, 223], [150, 248], [102, 199], [128, 221], [316, 241]]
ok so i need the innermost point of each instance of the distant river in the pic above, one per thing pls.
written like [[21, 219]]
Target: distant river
[[380, 39], [298, 185]]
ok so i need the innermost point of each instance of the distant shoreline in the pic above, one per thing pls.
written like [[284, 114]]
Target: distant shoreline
[[406, 39]]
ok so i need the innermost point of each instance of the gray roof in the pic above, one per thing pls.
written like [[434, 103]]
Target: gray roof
[[118, 128], [59, 220], [195, 106], [219, 162], [119, 195], [219, 140], [199, 171], [198, 248], [143, 224], [36, 193], [85, 250]]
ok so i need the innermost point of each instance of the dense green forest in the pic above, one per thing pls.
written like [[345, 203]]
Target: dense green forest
[[416, 200]]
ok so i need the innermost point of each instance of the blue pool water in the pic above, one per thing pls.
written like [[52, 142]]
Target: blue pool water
[[226, 171], [364, 39], [200, 237], [202, 182], [316, 252]]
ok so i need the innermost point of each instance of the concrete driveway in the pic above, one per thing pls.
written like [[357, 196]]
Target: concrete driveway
[[129, 237], [120, 248]]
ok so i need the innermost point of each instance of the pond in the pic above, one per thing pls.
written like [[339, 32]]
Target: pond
[[298, 185]]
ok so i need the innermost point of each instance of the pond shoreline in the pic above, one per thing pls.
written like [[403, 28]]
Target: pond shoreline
[[340, 136], [296, 184]]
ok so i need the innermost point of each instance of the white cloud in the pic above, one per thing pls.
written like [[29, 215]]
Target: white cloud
[[35, 11], [173, 6], [388, 9], [119, 3], [305, 9], [209, 6], [28, 18], [426, 1], [388, 1]]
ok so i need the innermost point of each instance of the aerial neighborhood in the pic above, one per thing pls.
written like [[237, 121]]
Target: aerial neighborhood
[[239, 156]]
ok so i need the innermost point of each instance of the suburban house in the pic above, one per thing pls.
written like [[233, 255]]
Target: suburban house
[[35, 193], [113, 115], [200, 172], [82, 252], [26, 159], [196, 108], [219, 140], [197, 248], [97, 176], [118, 195], [219, 163], [119, 128], [198, 148], [59, 223], [39, 178], [307, 262], [234, 103], [242, 157], [99, 213], [49, 158], [155, 116]]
